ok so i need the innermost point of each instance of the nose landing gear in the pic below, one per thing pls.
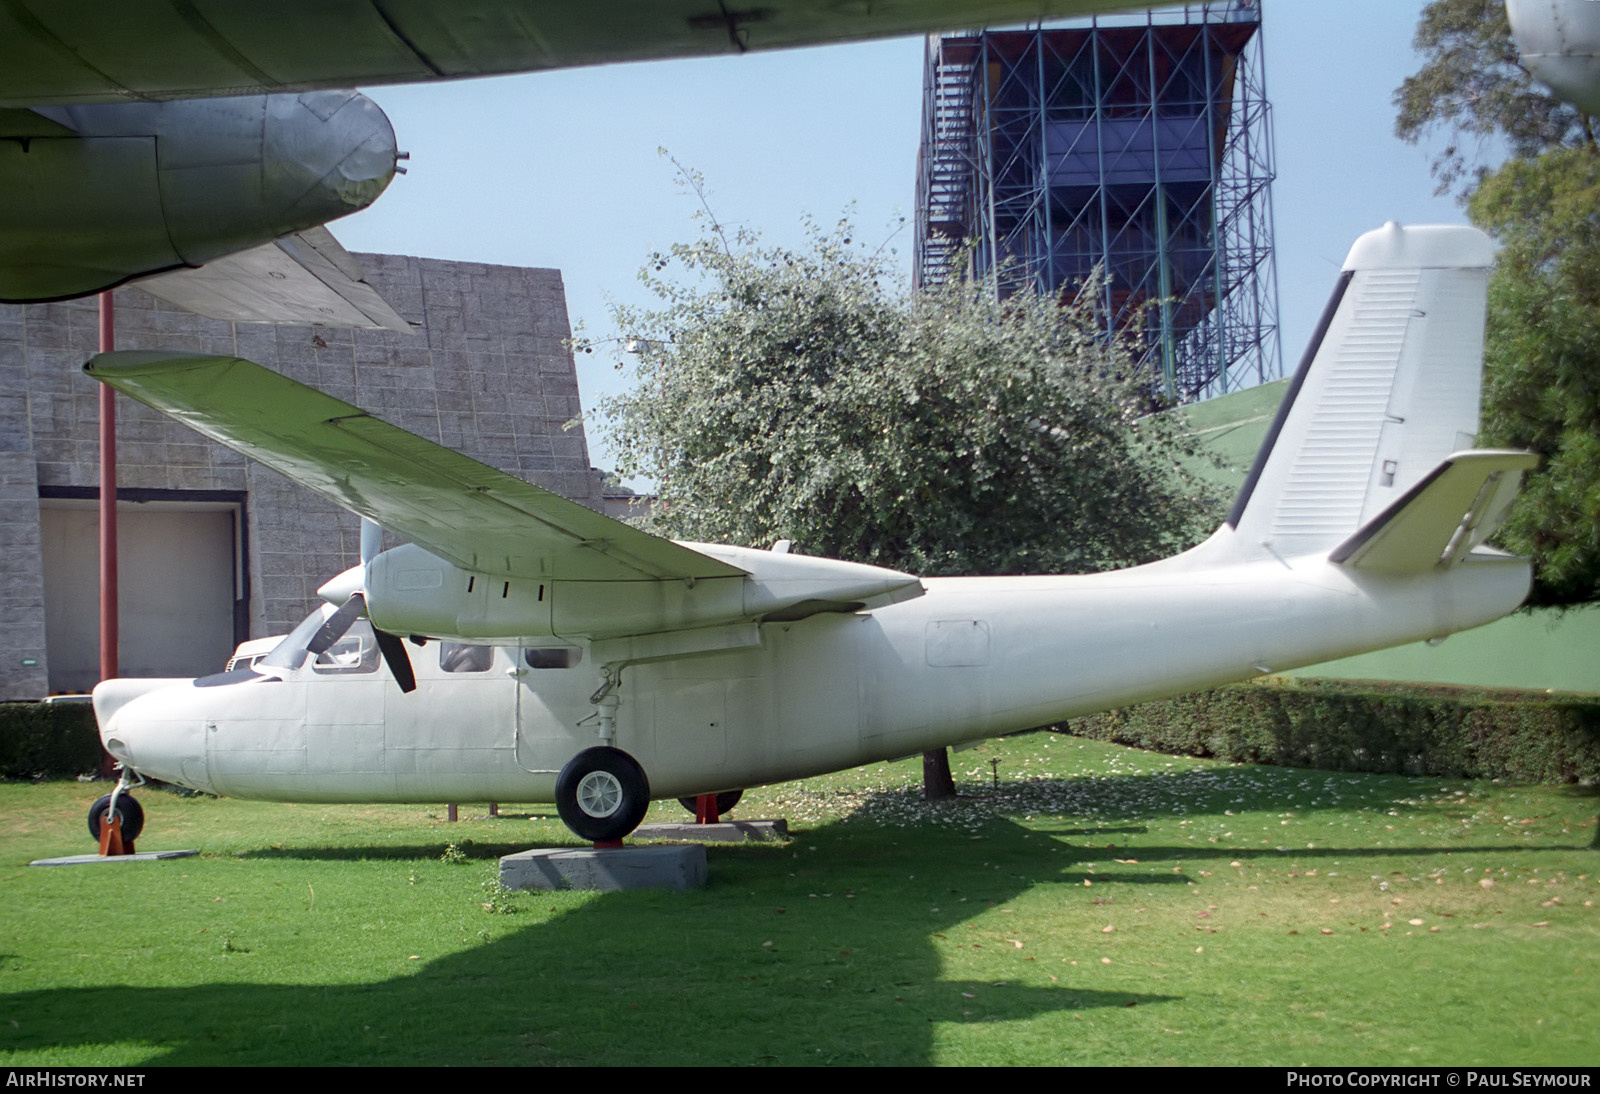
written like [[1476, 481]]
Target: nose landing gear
[[116, 819]]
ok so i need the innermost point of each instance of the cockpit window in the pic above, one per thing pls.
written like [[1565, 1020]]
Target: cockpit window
[[458, 657], [291, 652], [353, 651], [339, 640]]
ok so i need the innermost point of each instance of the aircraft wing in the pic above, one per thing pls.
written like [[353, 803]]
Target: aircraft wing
[[303, 278], [459, 509], [116, 50]]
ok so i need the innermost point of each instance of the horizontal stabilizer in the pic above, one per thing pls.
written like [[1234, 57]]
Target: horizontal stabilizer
[[1443, 517], [301, 279]]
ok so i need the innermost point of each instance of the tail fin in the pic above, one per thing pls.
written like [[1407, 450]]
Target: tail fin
[[1387, 391]]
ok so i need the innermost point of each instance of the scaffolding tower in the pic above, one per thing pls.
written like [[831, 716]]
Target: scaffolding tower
[[1138, 150]]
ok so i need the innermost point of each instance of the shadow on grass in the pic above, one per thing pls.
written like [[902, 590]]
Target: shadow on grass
[[825, 952], [469, 849]]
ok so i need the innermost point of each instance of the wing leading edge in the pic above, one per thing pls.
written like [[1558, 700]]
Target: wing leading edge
[[95, 51], [464, 511]]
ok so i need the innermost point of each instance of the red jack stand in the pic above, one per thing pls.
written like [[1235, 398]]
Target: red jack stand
[[705, 809], [111, 838]]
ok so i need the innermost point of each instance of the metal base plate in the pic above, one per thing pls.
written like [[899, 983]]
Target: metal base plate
[[81, 860]]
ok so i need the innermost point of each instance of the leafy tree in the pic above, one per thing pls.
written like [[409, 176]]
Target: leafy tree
[[805, 395], [1473, 89], [1542, 382], [1542, 349]]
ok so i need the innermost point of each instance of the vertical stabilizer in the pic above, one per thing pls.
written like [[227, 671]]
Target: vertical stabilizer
[[1388, 388]]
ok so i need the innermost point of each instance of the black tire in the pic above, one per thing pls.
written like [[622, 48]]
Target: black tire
[[602, 794], [725, 802], [128, 808]]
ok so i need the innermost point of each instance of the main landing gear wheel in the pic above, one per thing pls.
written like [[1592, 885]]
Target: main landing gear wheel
[[602, 794], [128, 808], [725, 802]]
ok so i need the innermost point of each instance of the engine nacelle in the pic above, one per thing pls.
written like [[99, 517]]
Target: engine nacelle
[[411, 591], [1559, 41], [93, 196]]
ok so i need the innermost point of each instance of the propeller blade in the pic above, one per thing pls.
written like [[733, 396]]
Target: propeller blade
[[335, 625], [395, 656], [371, 540]]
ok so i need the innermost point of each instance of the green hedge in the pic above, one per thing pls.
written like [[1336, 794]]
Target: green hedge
[[48, 740], [1342, 726]]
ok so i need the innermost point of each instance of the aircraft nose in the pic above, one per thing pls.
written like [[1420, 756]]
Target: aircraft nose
[[142, 724], [328, 153]]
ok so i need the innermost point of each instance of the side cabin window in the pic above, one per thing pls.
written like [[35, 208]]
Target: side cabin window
[[556, 657], [460, 657]]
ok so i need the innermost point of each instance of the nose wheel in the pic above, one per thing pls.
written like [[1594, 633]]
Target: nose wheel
[[115, 826]]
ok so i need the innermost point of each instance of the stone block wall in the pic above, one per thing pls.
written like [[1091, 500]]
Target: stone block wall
[[486, 371]]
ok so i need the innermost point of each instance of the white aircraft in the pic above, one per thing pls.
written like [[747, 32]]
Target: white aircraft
[[558, 655]]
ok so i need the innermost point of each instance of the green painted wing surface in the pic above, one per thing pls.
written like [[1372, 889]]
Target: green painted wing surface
[[459, 509], [116, 50]]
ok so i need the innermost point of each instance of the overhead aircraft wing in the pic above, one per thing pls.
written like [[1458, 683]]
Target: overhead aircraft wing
[[303, 278], [98, 51], [459, 509]]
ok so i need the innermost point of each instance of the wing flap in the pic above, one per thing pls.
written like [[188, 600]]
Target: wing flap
[[1443, 517], [302, 278], [477, 517]]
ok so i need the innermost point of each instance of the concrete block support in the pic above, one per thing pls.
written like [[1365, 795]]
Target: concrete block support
[[611, 869]]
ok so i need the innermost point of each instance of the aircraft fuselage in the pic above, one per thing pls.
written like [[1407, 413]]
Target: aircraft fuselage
[[972, 658]]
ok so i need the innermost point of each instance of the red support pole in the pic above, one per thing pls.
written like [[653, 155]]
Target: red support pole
[[108, 513], [108, 503]]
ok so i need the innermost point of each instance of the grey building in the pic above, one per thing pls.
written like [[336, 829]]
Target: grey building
[[215, 548]]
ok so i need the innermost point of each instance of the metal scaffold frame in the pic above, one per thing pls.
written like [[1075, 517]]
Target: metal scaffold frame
[[1136, 149]]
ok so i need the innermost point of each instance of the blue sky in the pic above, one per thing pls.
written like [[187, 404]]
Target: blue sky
[[561, 169]]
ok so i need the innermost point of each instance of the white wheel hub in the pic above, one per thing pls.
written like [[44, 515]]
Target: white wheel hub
[[599, 794]]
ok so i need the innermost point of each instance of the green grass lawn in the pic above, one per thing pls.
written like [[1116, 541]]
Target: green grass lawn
[[1102, 906]]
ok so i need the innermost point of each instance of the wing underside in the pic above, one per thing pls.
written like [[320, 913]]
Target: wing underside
[[52, 52], [303, 278]]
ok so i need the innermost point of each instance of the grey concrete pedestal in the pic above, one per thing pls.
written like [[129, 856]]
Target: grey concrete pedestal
[[676, 866], [721, 832]]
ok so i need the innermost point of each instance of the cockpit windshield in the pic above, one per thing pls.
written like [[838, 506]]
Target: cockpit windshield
[[339, 639], [291, 652]]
